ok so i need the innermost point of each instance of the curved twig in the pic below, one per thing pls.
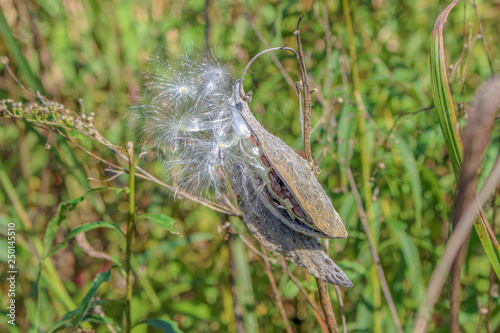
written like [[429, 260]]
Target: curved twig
[[257, 56]]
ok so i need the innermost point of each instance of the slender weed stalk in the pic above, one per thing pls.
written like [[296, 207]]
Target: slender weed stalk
[[130, 234]]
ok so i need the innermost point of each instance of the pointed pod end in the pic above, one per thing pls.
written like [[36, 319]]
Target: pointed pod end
[[335, 229]]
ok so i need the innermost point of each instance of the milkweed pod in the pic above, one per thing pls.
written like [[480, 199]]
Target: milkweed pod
[[319, 217]]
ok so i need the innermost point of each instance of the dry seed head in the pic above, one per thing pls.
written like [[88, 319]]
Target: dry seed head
[[190, 120]]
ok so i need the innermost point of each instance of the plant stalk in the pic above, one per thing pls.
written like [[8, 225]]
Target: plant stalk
[[130, 234], [307, 99], [326, 304]]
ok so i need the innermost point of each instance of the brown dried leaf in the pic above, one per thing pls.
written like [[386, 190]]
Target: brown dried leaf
[[476, 135]]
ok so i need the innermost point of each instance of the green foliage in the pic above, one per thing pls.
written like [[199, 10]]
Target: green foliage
[[55, 222], [85, 304], [95, 51], [161, 220], [166, 326]]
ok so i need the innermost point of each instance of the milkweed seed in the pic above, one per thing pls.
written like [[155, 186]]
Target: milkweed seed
[[294, 202], [276, 188], [272, 177], [298, 212], [253, 141], [265, 161]]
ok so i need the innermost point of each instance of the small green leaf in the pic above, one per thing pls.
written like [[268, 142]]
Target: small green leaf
[[85, 305], [65, 321], [91, 226], [84, 228], [55, 222], [166, 326], [53, 226], [164, 221]]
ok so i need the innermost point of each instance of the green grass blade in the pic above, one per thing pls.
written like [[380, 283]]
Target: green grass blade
[[442, 95], [244, 287], [85, 305]]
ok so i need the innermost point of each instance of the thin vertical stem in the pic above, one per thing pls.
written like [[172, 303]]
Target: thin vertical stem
[[207, 27], [341, 304], [130, 233], [274, 286], [483, 37], [307, 98], [237, 309], [326, 304], [492, 271]]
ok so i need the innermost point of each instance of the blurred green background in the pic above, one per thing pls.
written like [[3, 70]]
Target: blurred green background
[[95, 51]]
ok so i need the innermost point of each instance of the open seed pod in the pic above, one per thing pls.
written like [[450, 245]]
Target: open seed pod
[[284, 205], [295, 191], [204, 131], [265, 223]]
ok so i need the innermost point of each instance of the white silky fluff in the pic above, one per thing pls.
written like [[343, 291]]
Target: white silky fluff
[[191, 120]]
